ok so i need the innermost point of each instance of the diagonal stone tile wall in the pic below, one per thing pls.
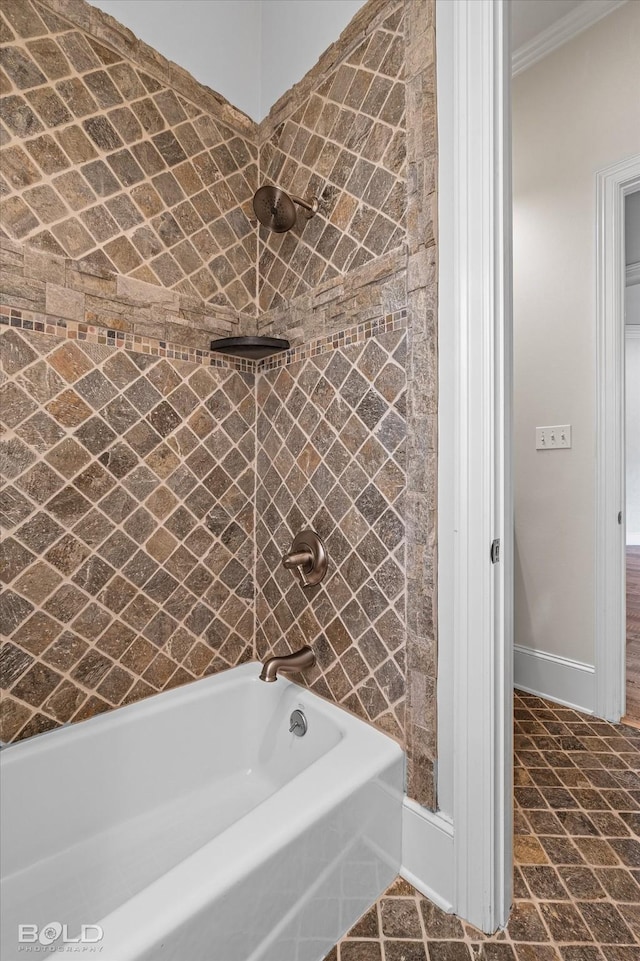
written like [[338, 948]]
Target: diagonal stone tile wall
[[331, 456], [127, 514], [345, 143], [116, 158]]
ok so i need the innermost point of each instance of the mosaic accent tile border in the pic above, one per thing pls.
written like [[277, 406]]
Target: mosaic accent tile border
[[44, 283], [357, 334], [74, 330]]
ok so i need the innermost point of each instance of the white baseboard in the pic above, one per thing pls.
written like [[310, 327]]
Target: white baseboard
[[633, 539], [560, 679], [427, 854]]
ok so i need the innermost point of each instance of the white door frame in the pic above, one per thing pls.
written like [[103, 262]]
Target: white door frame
[[475, 499], [612, 185]]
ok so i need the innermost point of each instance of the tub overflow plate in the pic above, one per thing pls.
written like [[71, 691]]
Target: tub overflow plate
[[298, 724]]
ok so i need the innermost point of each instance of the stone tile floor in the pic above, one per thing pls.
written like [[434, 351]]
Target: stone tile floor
[[576, 852]]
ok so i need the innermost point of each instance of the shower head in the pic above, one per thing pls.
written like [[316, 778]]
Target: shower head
[[276, 210]]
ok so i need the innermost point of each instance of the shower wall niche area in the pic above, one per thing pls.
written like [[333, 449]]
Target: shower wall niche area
[[153, 486]]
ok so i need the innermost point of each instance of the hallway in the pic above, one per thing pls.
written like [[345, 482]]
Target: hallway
[[577, 856], [633, 634]]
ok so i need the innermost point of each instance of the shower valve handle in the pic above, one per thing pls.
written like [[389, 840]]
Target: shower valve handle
[[308, 556], [303, 561], [299, 559]]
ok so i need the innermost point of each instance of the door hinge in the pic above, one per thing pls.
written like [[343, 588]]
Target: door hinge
[[495, 551]]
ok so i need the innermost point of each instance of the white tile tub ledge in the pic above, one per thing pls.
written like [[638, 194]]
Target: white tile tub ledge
[[194, 826]]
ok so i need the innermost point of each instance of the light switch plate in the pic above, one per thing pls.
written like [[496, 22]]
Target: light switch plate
[[553, 438]]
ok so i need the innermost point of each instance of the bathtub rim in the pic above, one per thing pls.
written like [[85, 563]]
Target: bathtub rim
[[120, 713]]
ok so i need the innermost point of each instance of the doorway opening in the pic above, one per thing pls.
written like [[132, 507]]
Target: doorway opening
[[632, 454], [614, 185]]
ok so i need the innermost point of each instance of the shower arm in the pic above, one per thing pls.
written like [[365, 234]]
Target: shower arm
[[310, 206]]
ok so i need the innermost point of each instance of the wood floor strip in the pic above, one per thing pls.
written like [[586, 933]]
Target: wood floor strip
[[633, 636]]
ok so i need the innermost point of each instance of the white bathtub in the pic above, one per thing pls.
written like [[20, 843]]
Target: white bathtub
[[193, 826]]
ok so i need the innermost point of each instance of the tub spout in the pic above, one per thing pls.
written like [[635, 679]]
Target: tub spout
[[298, 661]]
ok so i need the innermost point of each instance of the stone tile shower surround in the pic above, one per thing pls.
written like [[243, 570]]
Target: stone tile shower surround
[[374, 168], [360, 130], [127, 513]]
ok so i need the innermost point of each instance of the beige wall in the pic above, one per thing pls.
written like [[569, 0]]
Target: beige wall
[[574, 113]]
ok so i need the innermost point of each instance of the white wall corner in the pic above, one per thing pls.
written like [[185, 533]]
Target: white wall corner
[[427, 854], [563, 30], [571, 683]]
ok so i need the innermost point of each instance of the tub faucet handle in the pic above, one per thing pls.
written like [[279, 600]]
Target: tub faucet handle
[[308, 556]]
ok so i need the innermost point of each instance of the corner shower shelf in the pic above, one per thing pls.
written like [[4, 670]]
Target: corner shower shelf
[[253, 348]]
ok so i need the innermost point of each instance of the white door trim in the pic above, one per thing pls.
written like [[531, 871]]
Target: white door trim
[[475, 634], [612, 185]]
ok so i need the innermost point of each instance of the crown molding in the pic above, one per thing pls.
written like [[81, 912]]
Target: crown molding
[[568, 27]]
